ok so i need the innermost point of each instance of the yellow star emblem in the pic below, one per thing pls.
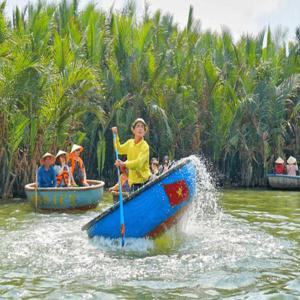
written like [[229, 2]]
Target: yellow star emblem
[[179, 192]]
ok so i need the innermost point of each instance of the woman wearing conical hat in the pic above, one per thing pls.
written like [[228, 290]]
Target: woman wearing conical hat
[[77, 166], [137, 151], [292, 167], [279, 166], [46, 176], [63, 173]]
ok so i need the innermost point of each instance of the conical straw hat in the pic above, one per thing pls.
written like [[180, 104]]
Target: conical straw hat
[[279, 160], [60, 152], [47, 154], [292, 160], [76, 147]]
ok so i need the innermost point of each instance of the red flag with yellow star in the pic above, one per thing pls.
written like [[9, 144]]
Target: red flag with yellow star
[[177, 192]]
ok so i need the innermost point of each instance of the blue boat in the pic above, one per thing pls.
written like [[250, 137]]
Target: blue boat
[[64, 198], [284, 182], [153, 208]]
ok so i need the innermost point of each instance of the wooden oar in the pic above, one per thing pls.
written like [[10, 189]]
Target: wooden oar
[[122, 224]]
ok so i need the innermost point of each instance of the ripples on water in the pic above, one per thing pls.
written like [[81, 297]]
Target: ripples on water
[[237, 251]]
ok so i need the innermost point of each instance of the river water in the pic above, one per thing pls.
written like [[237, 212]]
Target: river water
[[233, 244]]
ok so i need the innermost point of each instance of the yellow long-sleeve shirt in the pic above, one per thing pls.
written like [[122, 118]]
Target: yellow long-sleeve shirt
[[137, 161]]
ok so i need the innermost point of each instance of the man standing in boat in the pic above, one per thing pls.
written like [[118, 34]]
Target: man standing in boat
[[137, 151]]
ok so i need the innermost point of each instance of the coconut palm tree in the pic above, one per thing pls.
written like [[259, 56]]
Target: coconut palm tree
[[67, 76]]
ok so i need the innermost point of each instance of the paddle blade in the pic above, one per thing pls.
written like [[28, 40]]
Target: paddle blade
[[123, 234], [122, 230]]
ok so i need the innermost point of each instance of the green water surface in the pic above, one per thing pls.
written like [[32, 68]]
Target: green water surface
[[248, 249]]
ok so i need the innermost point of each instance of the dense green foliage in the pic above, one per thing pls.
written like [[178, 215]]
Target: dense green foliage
[[68, 76]]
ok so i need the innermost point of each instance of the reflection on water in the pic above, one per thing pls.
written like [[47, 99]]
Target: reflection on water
[[245, 247]]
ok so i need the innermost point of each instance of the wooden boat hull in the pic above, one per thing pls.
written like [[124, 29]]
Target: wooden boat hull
[[284, 182], [65, 198], [152, 209]]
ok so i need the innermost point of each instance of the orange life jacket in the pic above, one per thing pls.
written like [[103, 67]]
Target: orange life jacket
[[73, 161], [63, 176], [124, 180]]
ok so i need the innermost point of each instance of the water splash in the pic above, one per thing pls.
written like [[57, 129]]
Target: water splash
[[207, 195], [205, 207], [133, 245]]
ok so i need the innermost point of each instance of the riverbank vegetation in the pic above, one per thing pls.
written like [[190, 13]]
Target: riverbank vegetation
[[67, 76]]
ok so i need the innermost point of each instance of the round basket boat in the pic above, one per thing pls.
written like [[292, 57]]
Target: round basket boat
[[284, 182], [65, 198], [153, 208]]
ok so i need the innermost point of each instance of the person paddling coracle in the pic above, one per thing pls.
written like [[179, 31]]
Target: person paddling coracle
[[137, 151]]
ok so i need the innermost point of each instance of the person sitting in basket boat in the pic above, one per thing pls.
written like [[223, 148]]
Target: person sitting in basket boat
[[137, 151], [279, 166], [46, 176], [154, 165], [63, 173], [124, 183], [292, 167], [77, 166], [165, 166]]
